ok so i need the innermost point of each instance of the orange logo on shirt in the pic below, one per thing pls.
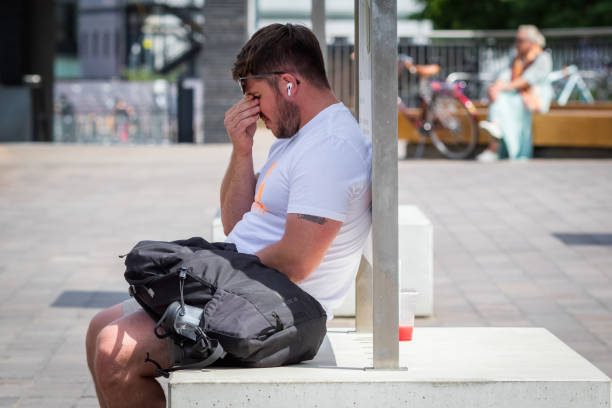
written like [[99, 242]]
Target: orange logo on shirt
[[258, 204]]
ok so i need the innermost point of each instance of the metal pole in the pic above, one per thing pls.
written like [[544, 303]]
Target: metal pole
[[378, 118], [251, 18], [318, 25]]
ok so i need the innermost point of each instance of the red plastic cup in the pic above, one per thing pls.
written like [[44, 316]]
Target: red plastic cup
[[407, 305], [405, 333]]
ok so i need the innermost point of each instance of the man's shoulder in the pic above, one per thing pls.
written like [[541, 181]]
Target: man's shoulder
[[337, 130], [339, 144], [342, 116], [336, 116]]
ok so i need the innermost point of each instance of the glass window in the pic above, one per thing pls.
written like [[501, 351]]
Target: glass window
[[94, 44], [84, 43], [117, 44], [106, 44]]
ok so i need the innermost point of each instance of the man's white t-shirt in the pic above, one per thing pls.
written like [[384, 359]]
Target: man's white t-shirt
[[323, 170]]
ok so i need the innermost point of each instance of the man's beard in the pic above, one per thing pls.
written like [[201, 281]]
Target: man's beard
[[288, 118]]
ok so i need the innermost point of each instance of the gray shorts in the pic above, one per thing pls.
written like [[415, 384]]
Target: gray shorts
[[130, 306]]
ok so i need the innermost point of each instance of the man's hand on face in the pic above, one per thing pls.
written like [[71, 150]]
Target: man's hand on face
[[240, 123]]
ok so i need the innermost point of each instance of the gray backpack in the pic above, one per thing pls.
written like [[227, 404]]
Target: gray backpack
[[223, 307]]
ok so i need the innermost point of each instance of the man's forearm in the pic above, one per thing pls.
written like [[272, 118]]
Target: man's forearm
[[280, 258], [237, 190], [303, 246]]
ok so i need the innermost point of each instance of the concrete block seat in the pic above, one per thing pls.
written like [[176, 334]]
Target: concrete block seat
[[416, 256], [442, 367]]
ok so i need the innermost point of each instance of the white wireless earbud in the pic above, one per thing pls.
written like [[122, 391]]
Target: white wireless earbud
[[289, 86]]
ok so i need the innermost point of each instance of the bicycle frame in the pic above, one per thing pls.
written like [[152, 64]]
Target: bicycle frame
[[455, 90], [441, 88], [574, 80], [425, 123]]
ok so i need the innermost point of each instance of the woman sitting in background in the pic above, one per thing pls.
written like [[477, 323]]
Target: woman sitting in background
[[520, 90]]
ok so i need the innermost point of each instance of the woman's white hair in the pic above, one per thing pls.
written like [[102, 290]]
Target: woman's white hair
[[533, 34]]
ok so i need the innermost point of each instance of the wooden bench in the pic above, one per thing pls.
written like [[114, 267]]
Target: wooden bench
[[573, 128], [572, 125]]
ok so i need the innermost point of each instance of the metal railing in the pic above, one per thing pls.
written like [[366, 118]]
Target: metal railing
[[484, 53], [341, 72]]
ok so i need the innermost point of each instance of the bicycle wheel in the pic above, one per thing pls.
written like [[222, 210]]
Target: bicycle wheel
[[454, 130]]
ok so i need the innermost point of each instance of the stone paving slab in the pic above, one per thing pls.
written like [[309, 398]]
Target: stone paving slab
[[66, 212]]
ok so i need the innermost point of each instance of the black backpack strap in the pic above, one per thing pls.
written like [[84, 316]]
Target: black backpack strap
[[216, 353]]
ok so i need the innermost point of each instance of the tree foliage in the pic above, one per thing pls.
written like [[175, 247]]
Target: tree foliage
[[509, 14]]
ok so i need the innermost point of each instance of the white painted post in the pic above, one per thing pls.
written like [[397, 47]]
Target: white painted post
[[251, 18], [377, 61], [363, 283], [318, 25]]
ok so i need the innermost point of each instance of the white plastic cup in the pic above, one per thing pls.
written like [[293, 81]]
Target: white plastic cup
[[407, 307]]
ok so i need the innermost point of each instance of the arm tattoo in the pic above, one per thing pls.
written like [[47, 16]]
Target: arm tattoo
[[312, 218]]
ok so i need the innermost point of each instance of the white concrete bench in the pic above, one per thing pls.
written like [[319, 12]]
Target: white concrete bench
[[415, 253], [415, 238], [216, 229], [444, 367]]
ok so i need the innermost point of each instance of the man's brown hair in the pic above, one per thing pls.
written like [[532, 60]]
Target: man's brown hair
[[287, 48]]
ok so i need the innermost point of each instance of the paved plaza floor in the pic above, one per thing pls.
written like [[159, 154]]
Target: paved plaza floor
[[516, 244]]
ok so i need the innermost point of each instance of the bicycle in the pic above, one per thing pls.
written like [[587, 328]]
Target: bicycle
[[447, 116], [573, 79]]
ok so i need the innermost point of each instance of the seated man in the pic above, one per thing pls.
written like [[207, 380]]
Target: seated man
[[306, 212]]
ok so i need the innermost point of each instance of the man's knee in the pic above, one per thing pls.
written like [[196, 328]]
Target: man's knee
[[110, 363], [99, 322], [121, 349], [96, 324]]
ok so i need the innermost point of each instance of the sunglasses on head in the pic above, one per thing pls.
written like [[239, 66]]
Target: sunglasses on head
[[242, 80]]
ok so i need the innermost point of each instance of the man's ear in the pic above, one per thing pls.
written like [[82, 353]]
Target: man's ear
[[288, 85]]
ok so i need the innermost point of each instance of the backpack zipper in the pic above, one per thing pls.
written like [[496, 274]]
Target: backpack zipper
[[182, 277]]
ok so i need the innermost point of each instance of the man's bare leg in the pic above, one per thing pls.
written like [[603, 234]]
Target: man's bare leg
[[100, 321], [123, 378]]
